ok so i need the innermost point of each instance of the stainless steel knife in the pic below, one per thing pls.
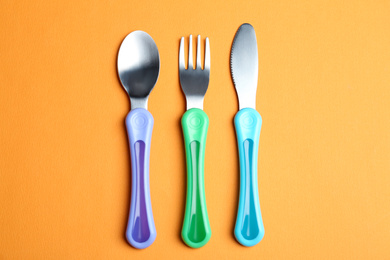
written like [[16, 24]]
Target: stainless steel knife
[[249, 229]]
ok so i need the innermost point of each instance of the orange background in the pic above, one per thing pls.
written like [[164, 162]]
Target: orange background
[[324, 158]]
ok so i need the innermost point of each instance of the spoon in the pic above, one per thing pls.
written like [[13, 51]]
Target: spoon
[[138, 70]]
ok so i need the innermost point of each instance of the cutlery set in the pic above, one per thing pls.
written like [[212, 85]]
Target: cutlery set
[[138, 69]]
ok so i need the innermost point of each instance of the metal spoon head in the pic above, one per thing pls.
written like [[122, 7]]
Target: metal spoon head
[[138, 67]]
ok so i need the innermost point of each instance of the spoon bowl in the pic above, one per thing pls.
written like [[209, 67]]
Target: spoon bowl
[[138, 67]]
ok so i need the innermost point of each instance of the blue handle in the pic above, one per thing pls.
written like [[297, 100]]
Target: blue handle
[[249, 228], [141, 231]]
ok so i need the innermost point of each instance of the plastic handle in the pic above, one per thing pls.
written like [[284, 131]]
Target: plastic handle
[[196, 230], [249, 228], [141, 231]]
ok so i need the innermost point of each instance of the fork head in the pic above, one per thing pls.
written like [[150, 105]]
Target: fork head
[[194, 81]]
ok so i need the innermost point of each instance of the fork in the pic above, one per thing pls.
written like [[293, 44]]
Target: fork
[[196, 230]]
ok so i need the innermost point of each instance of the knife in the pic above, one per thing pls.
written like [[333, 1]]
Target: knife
[[249, 229]]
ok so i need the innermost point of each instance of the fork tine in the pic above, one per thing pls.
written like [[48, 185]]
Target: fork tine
[[198, 65], [181, 55], [207, 55], [190, 59]]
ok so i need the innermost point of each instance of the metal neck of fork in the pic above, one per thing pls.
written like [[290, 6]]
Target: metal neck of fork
[[194, 102]]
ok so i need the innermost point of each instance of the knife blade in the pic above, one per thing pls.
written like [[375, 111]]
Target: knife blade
[[244, 65], [249, 228]]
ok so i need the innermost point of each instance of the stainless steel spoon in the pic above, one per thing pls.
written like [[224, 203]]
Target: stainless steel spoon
[[138, 70]]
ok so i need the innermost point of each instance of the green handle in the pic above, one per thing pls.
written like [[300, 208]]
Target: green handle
[[196, 230]]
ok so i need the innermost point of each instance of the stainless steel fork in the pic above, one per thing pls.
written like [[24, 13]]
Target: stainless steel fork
[[196, 230]]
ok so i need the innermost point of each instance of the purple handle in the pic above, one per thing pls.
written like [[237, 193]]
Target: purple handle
[[141, 231]]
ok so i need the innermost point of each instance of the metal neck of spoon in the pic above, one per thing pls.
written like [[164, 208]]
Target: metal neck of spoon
[[139, 102]]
